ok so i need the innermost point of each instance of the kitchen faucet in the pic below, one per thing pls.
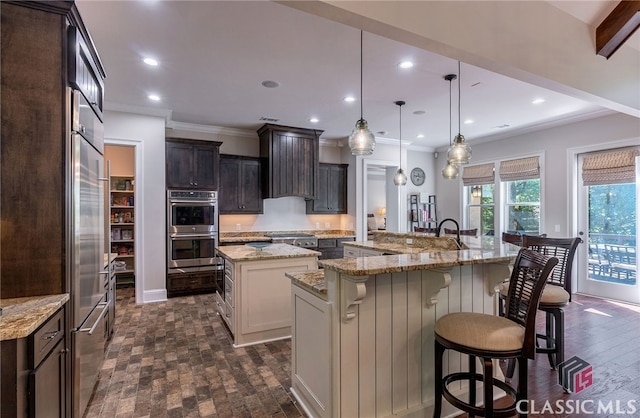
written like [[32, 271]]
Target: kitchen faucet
[[438, 229]]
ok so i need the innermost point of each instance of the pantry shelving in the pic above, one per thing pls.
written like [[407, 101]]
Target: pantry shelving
[[122, 209]]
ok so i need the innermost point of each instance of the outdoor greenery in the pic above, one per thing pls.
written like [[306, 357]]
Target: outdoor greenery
[[523, 203], [612, 210]]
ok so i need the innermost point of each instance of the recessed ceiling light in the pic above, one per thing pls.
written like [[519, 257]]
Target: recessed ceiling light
[[150, 61], [537, 101], [154, 97], [419, 112], [314, 120], [405, 64], [270, 84], [349, 99], [420, 136], [468, 121]]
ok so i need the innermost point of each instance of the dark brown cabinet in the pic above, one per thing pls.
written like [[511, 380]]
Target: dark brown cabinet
[[290, 161], [191, 283], [332, 247], [34, 377], [192, 164], [332, 190], [240, 185]]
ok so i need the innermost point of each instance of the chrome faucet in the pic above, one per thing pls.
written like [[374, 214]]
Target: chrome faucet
[[439, 228]]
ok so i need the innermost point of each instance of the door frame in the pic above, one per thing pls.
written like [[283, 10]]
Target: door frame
[[138, 211], [574, 186]]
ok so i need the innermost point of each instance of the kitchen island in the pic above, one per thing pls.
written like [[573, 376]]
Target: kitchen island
[[362, 340], [256, 301]]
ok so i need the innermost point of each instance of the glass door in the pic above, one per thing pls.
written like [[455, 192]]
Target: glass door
[[608, 226]]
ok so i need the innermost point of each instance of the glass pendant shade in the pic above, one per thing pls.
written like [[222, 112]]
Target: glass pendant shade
[[362, 141], [459, 152], [450, 171], [400, 179]]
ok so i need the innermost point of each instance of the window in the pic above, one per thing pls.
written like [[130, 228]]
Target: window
[[479, 187], [521, 186], [522, 207], [480, 209]]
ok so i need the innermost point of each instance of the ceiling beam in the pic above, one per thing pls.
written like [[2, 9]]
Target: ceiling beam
[[616, 28]]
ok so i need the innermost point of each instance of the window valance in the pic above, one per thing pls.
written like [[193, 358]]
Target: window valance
[[520, 169], [478, 174], [610, 167]]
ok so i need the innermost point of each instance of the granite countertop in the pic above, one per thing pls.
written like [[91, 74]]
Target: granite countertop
[[312, 281], [363, 266], [272, 251], [22, 316]]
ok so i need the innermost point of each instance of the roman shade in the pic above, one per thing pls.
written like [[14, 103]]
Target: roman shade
[[520, 169], [478, 174], [610, 167]]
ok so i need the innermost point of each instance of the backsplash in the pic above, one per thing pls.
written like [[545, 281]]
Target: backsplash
[[284, 214]]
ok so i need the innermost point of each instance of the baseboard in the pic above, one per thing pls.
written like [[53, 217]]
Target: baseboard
[[156, 295]]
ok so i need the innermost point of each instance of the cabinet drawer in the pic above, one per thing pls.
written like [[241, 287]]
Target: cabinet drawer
[[228, 316], [326, 243], [351, 252], [47, 336]]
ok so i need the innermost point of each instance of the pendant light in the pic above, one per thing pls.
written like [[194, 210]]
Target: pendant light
[[459, 152], [362, 141], [400, 179], [450, 171]]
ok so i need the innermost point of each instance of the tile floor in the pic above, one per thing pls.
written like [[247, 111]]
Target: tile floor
[[175, 359]]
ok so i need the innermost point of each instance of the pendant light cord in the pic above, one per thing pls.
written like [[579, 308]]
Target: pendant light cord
[[361, 75], [400, 106], [459, 115], [450, 113]]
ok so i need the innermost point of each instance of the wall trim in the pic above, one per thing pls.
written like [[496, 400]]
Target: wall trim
[[155, 295]]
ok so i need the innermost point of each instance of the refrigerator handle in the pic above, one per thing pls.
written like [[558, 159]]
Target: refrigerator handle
[[104, 306]]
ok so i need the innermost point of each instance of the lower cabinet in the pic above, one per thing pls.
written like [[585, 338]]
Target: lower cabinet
[[34, 372], [257, 301], [181, 284], [332, 247], [353, 252]]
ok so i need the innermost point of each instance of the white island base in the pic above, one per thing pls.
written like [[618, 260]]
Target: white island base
[[366, 348]]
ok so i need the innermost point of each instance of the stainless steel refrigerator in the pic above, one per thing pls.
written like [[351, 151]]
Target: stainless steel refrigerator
[[89, 305]]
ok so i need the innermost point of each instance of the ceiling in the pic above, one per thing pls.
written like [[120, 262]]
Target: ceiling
[[214, 55]]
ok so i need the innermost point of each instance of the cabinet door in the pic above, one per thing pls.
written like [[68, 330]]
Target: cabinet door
[[229, 193], [179, 165], [332, 190], [337, 189], [293, 165], [206, 162], [251, 187], [48, 386]]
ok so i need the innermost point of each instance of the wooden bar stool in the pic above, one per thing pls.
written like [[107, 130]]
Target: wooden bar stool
[[494, 337]]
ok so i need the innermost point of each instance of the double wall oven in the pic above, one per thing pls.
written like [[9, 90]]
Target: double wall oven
[[192, 236]]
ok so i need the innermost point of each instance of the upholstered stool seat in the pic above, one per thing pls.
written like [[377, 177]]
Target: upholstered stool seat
[[481, 331], [490, 337], [551, 295]]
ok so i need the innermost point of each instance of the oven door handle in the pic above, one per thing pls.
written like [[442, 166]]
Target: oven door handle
[[191, 203], [188, 236]]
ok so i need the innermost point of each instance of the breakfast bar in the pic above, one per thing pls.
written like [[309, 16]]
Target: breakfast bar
[[362, 333]]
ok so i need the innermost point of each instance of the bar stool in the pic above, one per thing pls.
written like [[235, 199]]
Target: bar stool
[[493, 337], [554, 297]]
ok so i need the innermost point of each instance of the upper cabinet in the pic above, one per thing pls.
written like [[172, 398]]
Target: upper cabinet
[[332, 190], [36, 113], [240, 185], [290, 161], [192, 164]]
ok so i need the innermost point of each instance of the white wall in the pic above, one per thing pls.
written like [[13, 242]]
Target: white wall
[[554, 143], [146, 133]]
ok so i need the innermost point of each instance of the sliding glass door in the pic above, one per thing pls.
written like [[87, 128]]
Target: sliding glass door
[[608, 208]]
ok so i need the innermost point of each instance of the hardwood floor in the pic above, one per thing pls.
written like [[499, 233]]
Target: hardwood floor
[[175, 359]]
